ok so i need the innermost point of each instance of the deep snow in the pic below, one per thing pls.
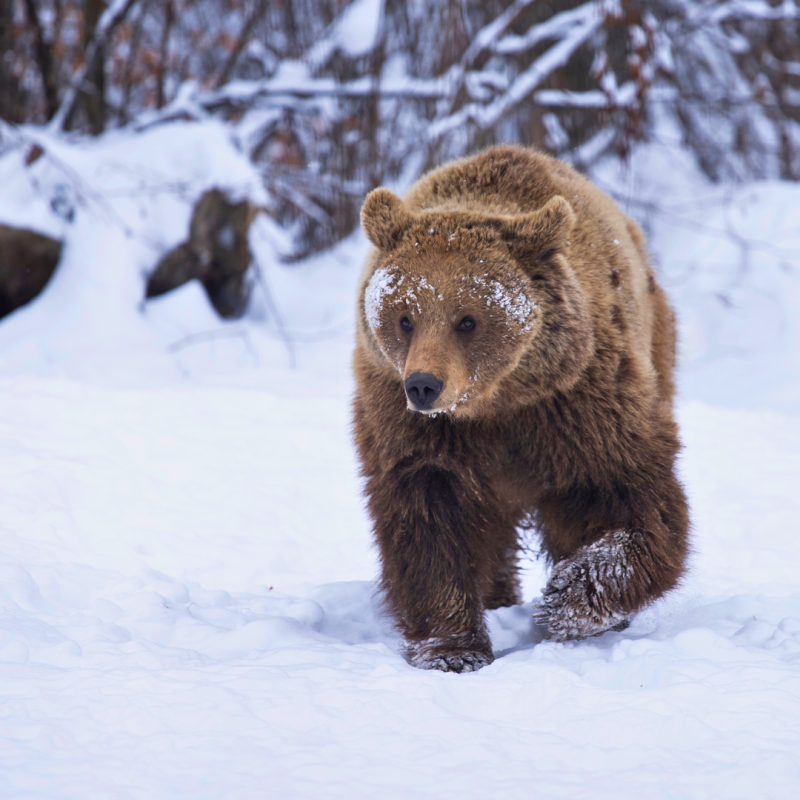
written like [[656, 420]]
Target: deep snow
[[187, 602]]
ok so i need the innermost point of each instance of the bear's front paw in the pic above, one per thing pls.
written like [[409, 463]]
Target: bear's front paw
[[448, 656], [585, 594]]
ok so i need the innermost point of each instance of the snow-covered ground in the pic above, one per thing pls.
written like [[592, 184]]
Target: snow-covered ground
[[187, 603]]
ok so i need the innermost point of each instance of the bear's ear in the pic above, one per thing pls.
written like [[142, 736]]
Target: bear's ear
[[384, 218], [542, 231]]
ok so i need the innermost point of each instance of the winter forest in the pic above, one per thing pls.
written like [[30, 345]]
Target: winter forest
[[189, 597]]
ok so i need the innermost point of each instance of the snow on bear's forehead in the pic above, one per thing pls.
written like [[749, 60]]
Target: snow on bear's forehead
[[508, 297]]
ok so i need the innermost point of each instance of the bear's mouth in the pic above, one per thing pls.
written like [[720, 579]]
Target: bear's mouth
[[449, 408], [432, 413]]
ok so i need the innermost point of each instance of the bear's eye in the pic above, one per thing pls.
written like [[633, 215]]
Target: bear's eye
[[405, 324], [466, 324]]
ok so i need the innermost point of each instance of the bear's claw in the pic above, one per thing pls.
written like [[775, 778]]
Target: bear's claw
[[432, 654], [459, 662]]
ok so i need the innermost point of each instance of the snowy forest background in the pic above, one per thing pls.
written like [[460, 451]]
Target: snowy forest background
[[660, 101], [187, 596], [331, 98]]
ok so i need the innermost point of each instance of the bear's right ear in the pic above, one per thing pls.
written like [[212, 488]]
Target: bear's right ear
[[384, 218], [541, 231]]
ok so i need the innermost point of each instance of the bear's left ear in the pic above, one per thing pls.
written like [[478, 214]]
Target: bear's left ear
[[542, 231], [384, 218]]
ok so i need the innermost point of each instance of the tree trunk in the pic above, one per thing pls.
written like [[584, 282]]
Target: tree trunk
[[9, 87], [163, 53], [44, 58], [94, 84]]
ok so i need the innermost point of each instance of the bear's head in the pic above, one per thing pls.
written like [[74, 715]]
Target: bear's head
[[471, 310]]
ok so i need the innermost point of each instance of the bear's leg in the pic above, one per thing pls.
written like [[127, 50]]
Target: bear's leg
[[504, 589], [602, 583], [586, 592], [433, 533]]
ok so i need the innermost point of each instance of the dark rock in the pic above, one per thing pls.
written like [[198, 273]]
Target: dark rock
[[216, 253], [27, 261]]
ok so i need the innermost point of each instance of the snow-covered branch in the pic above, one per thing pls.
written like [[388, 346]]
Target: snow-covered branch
[[557, 26], [750, 9], [486, 39], [581, 26]]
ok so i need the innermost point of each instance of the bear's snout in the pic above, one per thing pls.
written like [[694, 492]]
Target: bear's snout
[[422, 389]]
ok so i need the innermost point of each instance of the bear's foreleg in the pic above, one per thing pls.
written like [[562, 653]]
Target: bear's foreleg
[[600, 585], [587, 593], [432, 531]]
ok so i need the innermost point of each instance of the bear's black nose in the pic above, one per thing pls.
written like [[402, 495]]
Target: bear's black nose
[[422, 389]]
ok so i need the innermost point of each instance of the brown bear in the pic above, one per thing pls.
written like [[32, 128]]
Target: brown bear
[[513, 364]]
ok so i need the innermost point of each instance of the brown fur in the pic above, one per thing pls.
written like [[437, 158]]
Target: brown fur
[[556, 407]]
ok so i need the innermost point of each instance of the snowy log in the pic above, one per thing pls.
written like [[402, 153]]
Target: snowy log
[[27, 262], [216, 253]]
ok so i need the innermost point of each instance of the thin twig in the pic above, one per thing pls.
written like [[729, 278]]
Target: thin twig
[[272, 306], [206, 336]]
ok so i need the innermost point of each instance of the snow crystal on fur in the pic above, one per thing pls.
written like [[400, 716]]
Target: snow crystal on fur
[[382, 283]]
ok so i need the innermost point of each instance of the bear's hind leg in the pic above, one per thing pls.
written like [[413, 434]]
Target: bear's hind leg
[[504, 589]]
